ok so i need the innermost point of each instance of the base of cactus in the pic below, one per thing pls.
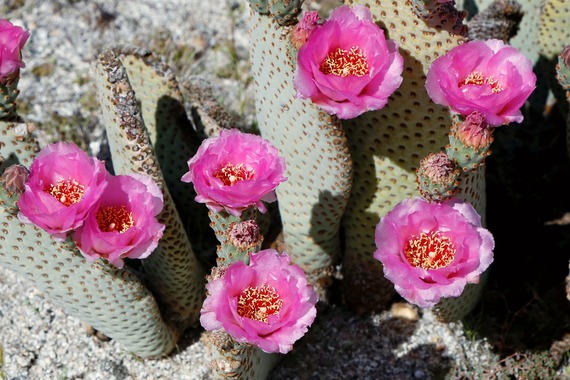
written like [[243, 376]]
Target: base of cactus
[[457, 308], [234, 360]]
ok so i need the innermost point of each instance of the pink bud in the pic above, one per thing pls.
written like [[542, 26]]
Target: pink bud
[[14, 178]]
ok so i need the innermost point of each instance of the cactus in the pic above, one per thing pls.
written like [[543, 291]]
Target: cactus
[[163, 299], [343, 175], [387, 145], [173, 270], [113, 301], [319, 168]]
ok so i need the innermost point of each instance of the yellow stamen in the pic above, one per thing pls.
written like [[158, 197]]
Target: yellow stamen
[[344, 63], [114, 218], [68, 192], [231, 174], [259, 303], [430, 251], [478, 79]]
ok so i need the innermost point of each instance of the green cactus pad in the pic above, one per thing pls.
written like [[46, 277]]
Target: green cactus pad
[[260, 6], [8, 94], [313, 143], [173, 270], [285, 12], [554, 31], [172, 136], [112, 300], [387, 146]]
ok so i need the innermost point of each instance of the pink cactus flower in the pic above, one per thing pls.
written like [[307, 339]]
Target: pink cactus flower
[[235, 171], [267, 303], [63, 184], [303, 29], [123, 223], [432, 250], [490, 77], [12, 41], [347, 66]]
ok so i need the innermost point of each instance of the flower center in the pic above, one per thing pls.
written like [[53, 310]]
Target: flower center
[[231, 174], [344, 63], [259, 303], [68, 192], [430, 251], [478, 79], [114, 218]]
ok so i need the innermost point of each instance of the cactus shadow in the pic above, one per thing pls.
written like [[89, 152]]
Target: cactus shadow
[[525, 306], [187, 138], [361, 347]]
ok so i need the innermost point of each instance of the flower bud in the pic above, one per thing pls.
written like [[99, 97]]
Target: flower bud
[[14, 178]]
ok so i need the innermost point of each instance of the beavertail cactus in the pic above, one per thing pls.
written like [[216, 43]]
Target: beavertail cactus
[[112, 300], [319, 168], [375, 121], [387, 145], [120, 303], [173, 270]]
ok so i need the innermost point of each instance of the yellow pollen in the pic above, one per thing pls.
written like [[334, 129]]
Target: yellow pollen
[[231, 174], [114, 218], [259, 303], [430, 251], [344, 63], [68, 192], [478, 79]]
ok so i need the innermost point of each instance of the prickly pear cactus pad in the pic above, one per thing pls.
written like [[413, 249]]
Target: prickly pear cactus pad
[[387, 145], [173, 270], [172, 136], [554, 31], [111, 300], [319, 167]]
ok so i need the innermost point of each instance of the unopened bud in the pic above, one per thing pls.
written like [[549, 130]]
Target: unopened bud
[[437, 177], [245, 235], [474, 131], [14, 179]]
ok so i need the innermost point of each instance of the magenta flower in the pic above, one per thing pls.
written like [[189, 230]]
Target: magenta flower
[[432, 250], [123, 223], [267, 303], [304, 27], [12, 41], [347, 66], [235, 171], [62, 186], [490, 77]]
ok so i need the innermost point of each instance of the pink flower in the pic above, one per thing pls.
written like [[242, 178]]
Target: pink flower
[[267, 303], [123, 223], [303, 29], [12, 41], [235, 171], [486, 76], [347, 66], [62, 186], [432, 250]]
